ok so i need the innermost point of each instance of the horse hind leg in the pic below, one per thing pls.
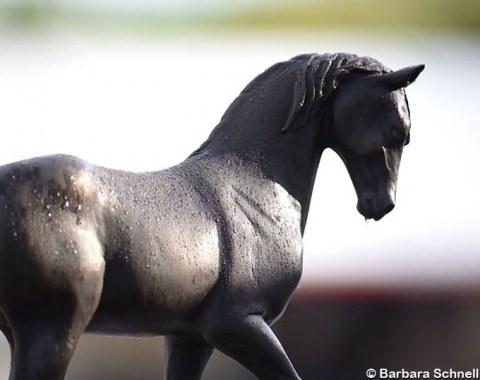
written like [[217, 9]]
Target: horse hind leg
[[43, 352], [48, 321], [45, 340], [186, 357]]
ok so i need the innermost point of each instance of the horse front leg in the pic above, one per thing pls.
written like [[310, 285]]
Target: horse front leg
[[186, 357], [251, 342]]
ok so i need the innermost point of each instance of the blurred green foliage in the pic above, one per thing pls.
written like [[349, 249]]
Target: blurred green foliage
[[25, 13], [441, 14], [307, 14]]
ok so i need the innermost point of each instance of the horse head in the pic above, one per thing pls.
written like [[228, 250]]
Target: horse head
[[370, 125]]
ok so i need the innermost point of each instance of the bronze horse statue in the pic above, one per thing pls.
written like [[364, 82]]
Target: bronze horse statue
[[207, 252]]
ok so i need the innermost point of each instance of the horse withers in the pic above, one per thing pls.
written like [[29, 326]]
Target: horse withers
[[208, 252]]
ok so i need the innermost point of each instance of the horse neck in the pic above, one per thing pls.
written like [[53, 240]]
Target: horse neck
[[251, 129]]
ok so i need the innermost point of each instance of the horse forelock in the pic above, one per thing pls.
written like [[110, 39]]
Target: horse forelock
[[318, 76]]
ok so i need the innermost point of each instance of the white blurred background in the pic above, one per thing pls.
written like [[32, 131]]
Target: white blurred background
[[138, 85]]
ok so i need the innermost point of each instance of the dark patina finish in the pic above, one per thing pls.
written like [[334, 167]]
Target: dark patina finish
[[207, 252]]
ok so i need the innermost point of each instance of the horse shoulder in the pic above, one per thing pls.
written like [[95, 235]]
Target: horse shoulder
[[262, 242]]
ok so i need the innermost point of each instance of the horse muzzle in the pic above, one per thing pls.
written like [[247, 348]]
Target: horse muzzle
[[375, 208]]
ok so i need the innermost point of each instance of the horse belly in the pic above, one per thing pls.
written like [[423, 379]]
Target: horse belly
[[156, 285]]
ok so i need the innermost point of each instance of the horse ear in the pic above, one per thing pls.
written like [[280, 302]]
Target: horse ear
[[401, 78]]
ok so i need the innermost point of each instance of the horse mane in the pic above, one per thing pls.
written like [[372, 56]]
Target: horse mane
[[318, 76]]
